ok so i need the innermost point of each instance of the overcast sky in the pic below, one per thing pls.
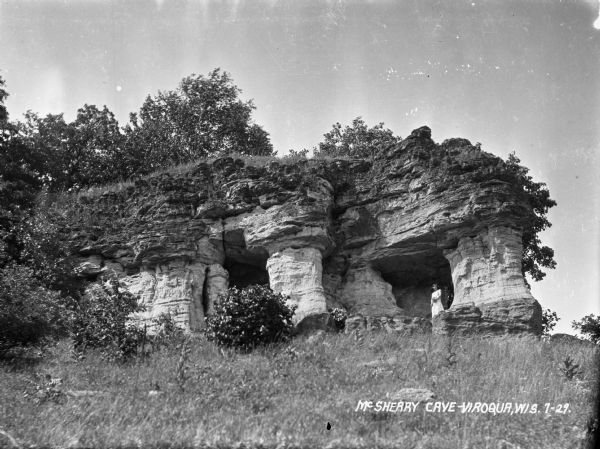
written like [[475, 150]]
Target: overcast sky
[[513, 75]]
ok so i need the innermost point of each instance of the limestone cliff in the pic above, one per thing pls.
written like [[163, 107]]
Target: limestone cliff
[[370, 236]]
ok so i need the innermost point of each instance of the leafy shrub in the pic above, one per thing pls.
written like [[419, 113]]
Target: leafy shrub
[[167, 332], [45, 248], [589, 326], [46, 389], [30, 314], [357, 141], [338, 316], [535, 256], [249, 317], [549, 320], [570, 369], [103, 321]]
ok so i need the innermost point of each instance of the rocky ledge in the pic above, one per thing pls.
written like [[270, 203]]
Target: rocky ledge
[[368, 236]]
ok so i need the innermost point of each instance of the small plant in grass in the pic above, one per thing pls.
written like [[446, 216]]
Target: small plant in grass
[[46, 389], [338, 316], [181, 371], [249, 317], [570, 369], [450, 354], [359, 336], [167, 334]]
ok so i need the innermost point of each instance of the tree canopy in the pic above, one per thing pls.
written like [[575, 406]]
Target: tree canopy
[[77, 154], [357, 140], [535, 255], [19, 184], [589, 326], [31, 295], [203, 117], [3, 95]]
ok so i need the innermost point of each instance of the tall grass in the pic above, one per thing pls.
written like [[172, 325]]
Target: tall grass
[[284, 396]]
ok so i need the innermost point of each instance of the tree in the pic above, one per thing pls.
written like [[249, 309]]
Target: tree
[[535, 256], [84, 152], [30, 314], [32, 258], [29, 239], [96, 147], [3, 95], [18, 184], [589, 326], [357, 140], [47, 140], [44, 248], [549, 320], [202, 117]]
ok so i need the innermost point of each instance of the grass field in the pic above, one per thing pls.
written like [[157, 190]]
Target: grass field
[[284, 396]]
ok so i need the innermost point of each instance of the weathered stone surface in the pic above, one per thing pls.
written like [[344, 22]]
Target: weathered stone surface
[[414, 300], [487, 267], [364, 292], [217, 282], [296, 223], [175, 288], [400, 323], [414, 395], [377, 363], [83, 393], [370, 236], [492, 318], [8, 437], [569, 339], [490, 294], [297, 273], [88, 270]]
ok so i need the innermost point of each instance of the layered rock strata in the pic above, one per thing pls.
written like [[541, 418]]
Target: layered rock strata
[[369, 236]]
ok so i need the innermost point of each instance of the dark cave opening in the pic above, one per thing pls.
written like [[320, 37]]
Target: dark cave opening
[[412, 277], [245, 267], [242, 275]]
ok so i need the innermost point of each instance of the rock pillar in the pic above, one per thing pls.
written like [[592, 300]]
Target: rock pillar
[[217, 282], [298, 273], [365, 292], [186, 291], [490, 294]]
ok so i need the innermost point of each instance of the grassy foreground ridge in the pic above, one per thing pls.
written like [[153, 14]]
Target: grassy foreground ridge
[[283, 396]]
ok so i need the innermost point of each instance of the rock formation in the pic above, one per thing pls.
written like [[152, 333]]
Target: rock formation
[[370, 236]]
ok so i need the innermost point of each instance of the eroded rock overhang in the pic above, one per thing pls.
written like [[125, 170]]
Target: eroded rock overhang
[[370, 236]]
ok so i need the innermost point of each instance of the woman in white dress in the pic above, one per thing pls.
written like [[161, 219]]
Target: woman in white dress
[[436, 301]]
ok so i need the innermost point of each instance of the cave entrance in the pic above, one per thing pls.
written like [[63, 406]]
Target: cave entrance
[[411, 278], [244, 274], [245, 267]]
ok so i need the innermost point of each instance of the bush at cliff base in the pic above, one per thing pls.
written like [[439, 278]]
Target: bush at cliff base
[[103, 321], [30, 314], [250, 317]]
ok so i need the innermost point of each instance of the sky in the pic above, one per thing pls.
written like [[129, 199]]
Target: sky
[[519, 76]]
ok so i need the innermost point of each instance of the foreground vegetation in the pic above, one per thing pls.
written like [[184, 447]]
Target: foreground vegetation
[[285, 395]]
